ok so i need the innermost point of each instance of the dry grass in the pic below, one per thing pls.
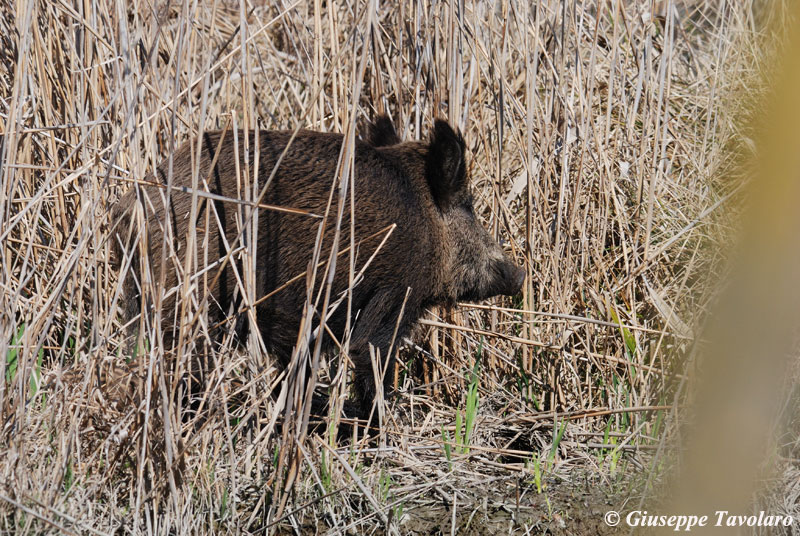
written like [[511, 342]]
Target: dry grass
[[598, 133]]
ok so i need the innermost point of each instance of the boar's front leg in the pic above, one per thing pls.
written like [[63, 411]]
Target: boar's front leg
[[379, 324]]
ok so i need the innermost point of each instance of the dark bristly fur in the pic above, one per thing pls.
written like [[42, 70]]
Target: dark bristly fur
[[439, 249]]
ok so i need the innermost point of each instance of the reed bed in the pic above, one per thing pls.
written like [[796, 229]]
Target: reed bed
[[600, 137]]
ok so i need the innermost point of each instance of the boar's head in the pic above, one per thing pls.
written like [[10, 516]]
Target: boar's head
[[477, 266]]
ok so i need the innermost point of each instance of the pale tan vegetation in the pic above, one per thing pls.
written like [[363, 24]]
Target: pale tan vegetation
[[599, 136]]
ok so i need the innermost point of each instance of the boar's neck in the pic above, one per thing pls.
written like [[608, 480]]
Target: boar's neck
[[430, 258]]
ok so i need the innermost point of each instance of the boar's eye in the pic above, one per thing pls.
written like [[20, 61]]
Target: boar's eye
[[469, 207], [467, 202]]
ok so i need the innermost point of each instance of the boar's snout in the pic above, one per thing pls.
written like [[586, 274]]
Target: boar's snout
[[511, 278]]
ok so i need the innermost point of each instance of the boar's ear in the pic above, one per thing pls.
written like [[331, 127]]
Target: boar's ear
[[381, 133], [445, 167]]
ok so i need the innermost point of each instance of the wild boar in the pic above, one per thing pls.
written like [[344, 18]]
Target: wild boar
[[438, 250]]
